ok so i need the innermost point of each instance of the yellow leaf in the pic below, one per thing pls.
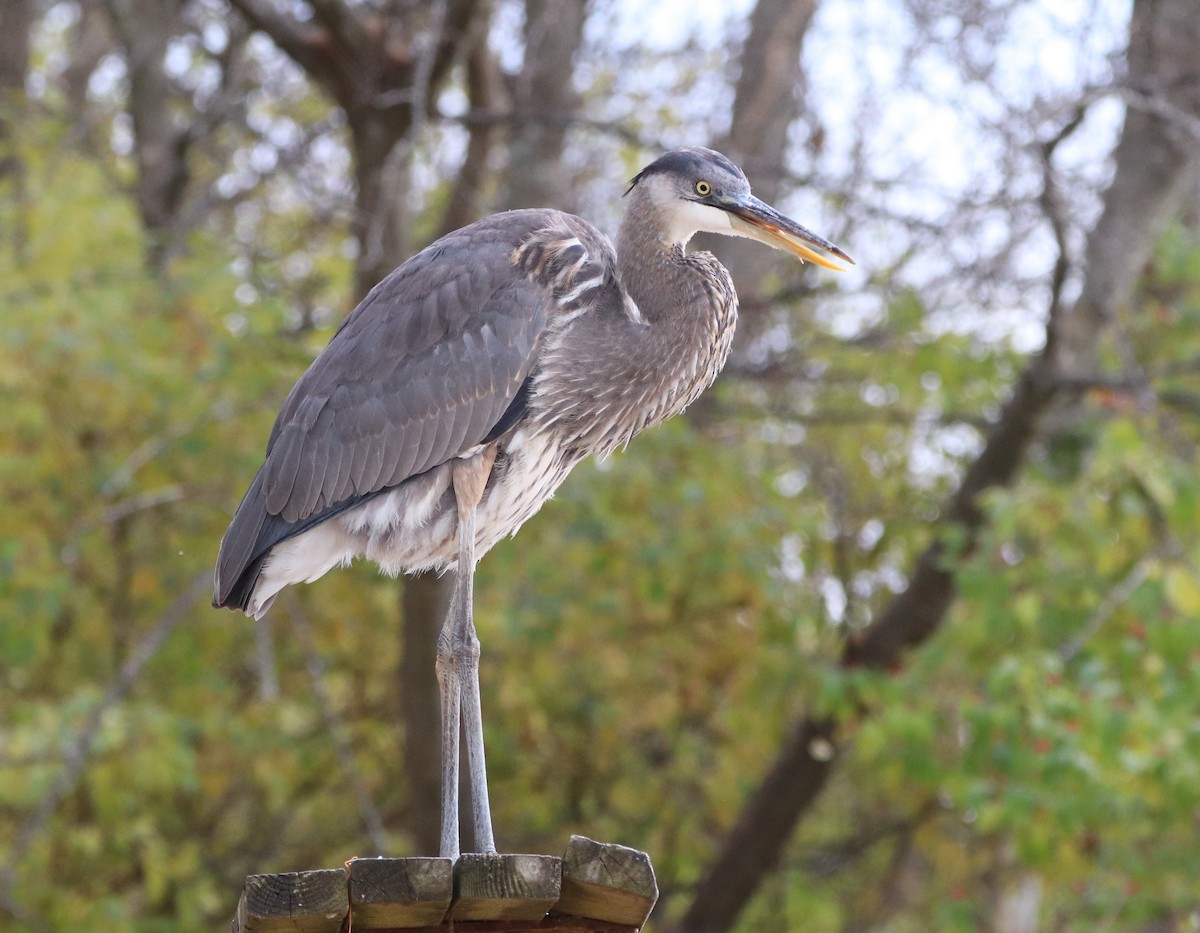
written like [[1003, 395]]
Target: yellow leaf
[[1183, 592]]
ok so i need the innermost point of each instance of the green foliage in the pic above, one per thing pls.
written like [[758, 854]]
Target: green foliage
[[1050, 728], [133, 417], [648, 640]]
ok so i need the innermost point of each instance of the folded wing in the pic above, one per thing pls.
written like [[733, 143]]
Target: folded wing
[[420, 372]]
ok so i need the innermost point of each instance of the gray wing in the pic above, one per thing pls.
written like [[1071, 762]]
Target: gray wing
[[420, 372]]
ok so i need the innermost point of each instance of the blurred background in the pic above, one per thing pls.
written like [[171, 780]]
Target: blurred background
[[896, 630]]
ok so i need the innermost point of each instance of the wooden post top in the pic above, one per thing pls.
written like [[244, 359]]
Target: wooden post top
[[594, 888]]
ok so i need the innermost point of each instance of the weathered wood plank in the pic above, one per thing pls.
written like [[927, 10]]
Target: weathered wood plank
[[505, 887], [550, 924], [594, 888], [399, 893], [602, 881], [296, 902]]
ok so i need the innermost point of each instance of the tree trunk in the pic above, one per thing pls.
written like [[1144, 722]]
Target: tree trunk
[[767, 99], [766, 102], [543, 98], [1156, 162], [752, 847], [424, 602], [485, 92], [379, 203], [16, 20], [90, 42], [144, 28]]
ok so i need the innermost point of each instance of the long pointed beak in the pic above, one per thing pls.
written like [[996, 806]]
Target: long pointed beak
[[750, 217]]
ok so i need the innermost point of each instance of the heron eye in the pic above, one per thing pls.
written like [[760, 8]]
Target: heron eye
[[703, 188]]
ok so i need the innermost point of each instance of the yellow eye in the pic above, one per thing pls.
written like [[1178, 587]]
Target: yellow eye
[[703, 188]]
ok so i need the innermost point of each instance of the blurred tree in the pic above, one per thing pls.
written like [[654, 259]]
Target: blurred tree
[[16, 21], [145, 29], [544, 103], [767, 101], [710, 639], [384, 68]]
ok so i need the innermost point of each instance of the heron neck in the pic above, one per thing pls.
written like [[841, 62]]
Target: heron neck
[[612, 376], [652, 268]]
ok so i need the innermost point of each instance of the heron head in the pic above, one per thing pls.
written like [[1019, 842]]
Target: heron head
[[697, 190]]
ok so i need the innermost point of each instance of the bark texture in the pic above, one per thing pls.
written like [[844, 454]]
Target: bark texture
[[544, 98], [16, 20], [386, 84], [144, 28], [768, 95]]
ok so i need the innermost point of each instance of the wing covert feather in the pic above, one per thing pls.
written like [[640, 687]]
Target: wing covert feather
[[418, 373]]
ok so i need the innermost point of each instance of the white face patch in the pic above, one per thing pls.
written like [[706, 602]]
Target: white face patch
[[683, 218]]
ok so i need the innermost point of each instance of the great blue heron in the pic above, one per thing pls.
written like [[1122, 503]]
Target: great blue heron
[[459, 394]]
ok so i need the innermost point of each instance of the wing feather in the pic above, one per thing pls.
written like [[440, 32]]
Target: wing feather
[[412, 376], [339, 483], [307, 480], [422, 370]]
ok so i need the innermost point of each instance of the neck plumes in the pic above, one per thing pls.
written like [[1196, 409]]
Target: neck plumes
[[649, 269], [689, 307], [665, 283], [627, 366]]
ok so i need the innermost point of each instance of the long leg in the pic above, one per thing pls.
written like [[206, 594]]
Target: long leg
[[458, 670], [472, 713], [450, 687]]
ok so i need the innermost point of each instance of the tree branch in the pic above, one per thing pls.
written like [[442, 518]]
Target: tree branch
[[1113, 600], [299, 41], [756, 840], [516, 116]]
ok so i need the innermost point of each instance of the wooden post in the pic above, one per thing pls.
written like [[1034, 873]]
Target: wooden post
[[297, 902], [593, 888], [505, 887], [606, 882], [398, 893]]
